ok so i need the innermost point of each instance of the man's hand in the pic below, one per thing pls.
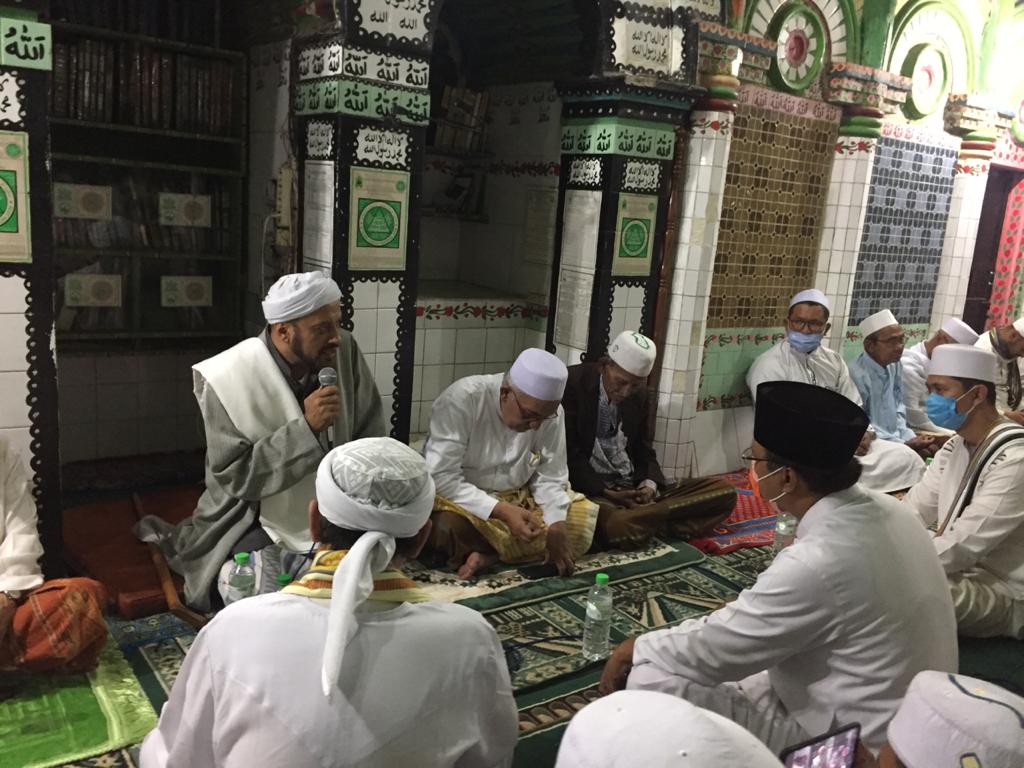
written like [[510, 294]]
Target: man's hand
[[865, 443], [624, 498], [924, 445], [7, 608], [521, 523], [559, 552], [645, 494], [1017, 416], [616, 669], [321, 408]]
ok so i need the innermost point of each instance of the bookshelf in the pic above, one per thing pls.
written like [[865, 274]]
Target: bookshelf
[[147, 132]]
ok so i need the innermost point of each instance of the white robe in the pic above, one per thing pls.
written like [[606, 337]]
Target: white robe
[[887, 466], [1002, 393], [988, 538], [20, 548], [424, 684], [842, 621], [471, 453], [915, 363]]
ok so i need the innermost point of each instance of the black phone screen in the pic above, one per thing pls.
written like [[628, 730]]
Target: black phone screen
[[836, 749]]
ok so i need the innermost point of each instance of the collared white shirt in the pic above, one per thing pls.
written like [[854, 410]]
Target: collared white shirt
[[423, 684], [842, 620], [989, 535], [20, 548], [471, 453]]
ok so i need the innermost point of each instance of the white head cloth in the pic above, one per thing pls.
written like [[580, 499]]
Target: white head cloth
[[959, 331], [633, 352], [380, 486], [812, 295], [876, 322], [657, 730], [955, 720], [539, 374], [964, 362], [297, 295], [1018, 325]]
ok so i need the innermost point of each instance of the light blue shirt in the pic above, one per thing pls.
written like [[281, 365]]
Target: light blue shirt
[[881, 389]]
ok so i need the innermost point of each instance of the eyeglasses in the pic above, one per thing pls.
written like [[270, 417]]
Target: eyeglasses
[[530, 416], [893, 341], [748, 456], [807, 325]]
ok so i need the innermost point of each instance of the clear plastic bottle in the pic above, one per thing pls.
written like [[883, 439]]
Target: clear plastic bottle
[[785, 530], [241, 580], [283, 580], [599, 619]]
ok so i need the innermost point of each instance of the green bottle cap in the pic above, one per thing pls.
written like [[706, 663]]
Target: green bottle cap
[[284, 579], [601, 579], [242, 558]]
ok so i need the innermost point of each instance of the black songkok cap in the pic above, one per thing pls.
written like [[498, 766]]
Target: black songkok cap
[[808, 425]]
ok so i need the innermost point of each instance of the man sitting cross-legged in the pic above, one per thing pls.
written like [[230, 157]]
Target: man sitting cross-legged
[[838, 625], [352, 665], [612, 461], [496, 449], [973, 494]]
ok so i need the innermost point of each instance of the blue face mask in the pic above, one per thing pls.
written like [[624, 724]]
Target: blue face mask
[[943, 413], [804, 342]]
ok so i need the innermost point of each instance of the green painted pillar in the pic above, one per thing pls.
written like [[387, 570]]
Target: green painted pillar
[[876, 21]]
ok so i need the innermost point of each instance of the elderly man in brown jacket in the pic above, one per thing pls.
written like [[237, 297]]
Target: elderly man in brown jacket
[[611, 460]]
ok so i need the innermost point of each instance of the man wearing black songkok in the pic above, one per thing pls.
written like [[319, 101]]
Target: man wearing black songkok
[[835, 629]]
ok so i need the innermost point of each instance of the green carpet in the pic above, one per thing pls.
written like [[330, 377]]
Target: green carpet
[[56, 720]]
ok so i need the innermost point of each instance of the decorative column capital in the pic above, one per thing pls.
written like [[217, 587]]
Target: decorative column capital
[[978, 126], [727, 60]]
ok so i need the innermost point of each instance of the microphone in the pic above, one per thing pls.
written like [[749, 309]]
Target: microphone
[[328, 377]]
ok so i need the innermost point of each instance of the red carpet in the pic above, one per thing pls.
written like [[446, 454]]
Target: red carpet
[[751, 524]]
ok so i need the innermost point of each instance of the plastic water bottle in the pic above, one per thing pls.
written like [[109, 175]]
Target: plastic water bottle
[[283, 580], [599, 619], [785, 530], [241, 580]]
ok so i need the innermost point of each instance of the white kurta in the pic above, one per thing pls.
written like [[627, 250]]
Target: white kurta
[[20, 549], [424, 684], [842, 621], [915, 363], [1002, 393], [471, 453], [887, 466], [989, 535]]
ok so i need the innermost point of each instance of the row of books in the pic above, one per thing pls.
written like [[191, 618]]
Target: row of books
[[187, 21], [460, 121], [134, 84], [142, 212]]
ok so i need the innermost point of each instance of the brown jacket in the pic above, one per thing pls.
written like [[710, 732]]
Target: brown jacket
[[582, 394]]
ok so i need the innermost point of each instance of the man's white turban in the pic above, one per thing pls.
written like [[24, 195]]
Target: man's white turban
[[380, 486], [298, 295]]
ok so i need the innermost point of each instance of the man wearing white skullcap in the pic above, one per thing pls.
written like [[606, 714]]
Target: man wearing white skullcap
[[955, 721], [886, 465], [877, 374], [629, 729], [611, 459], [496, 449], [268, 423], [1007, 342], [973, 494], [915, 372], [352, 665]]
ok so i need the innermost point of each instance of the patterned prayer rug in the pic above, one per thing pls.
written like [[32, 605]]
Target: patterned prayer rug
[[56, 719], [751, 524]]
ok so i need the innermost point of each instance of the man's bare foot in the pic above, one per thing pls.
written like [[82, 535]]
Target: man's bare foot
[[476, 562]]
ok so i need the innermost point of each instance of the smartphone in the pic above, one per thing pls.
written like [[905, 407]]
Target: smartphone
[[538, 571], [835, 749]]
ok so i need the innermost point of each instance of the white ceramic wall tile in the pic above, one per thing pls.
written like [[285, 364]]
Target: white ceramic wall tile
[[14, 348], [364, 295], [364, 329], [387, 329], [117, 438], [958, 247], [13, 295], [387, 295], [384, 373], [500, 345], [470, 345]]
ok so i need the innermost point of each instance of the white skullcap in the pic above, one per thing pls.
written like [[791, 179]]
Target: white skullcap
[[947, 719], [876, 322], [539, 374], [964, 362], [657, 730], [298, 295], [633, 352], [959, 331], [1018, 325], [380, 486], [814, 296]]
